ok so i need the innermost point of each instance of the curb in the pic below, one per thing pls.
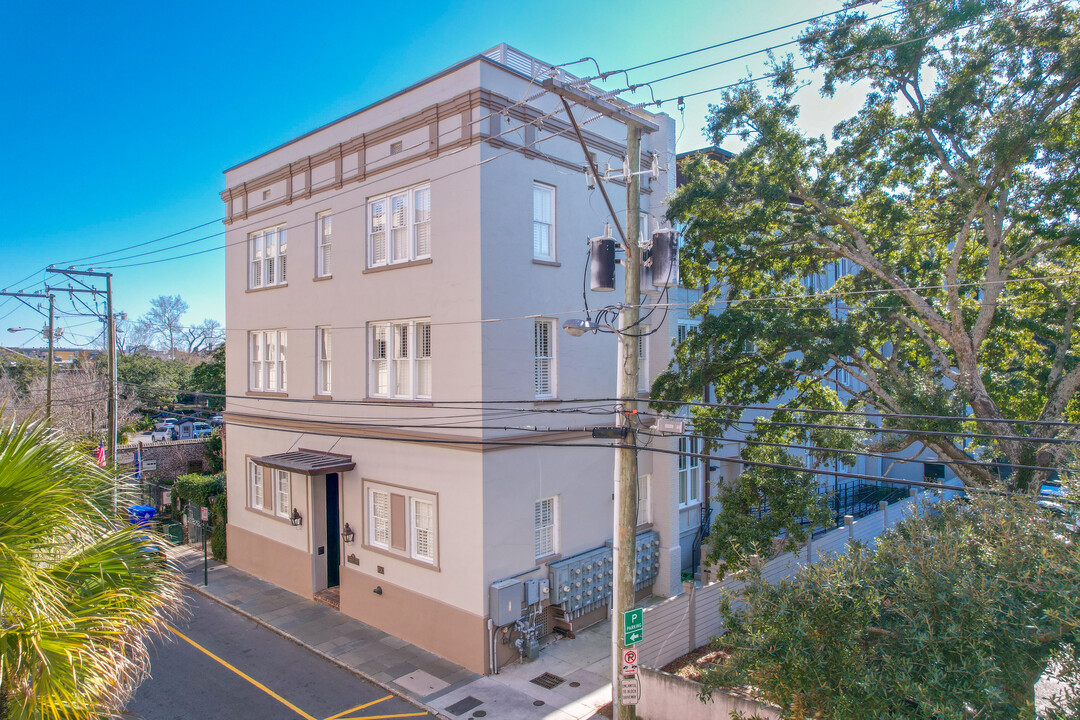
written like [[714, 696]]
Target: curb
[[259, 621]]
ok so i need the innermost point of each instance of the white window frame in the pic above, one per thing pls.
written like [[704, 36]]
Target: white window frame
[[546, 534], [324, 231], [413, 227], [545, 389], [267, 366], [690, 472], [396, 368], [267, 256], [544, 199], [323, 359], [378, 523], [379, 528], [256, 499], [417, 530], [282, 493]]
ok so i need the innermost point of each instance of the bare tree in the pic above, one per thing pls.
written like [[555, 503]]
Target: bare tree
[[203, 337], [162, 322], [79, 404]]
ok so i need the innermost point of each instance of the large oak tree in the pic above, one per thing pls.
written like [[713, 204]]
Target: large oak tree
[[922, 261]]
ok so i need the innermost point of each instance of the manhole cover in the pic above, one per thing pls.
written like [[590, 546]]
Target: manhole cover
[[538, 703], [548, 680], [479, 713], [575, 683], [464, 705]]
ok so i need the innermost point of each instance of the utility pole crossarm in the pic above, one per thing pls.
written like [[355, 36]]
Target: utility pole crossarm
[[601, 106]]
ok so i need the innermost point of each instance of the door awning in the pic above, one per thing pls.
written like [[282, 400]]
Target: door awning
[[306, 462]]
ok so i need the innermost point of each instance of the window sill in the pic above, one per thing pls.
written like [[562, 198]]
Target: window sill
[[401, 556], [320, 278], [267, 287], [548, 559], [270, 515], [405, 402], [266, 394], [544, 261], [546, 401], [324, 398], [691, 504], [644, 526], [395, 266]]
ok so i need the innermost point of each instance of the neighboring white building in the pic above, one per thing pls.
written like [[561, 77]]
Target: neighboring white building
[[396, 281]]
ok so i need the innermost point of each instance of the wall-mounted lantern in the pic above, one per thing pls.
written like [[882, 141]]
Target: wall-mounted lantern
[[297, 519], [347, 534]]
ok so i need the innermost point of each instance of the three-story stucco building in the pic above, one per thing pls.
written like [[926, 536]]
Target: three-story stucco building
[[405, 420]]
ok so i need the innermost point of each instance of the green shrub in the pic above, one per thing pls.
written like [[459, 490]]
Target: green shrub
[[206, 491]]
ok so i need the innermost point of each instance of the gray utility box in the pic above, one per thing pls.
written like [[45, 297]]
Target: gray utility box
[[505, 601], [537, 591]]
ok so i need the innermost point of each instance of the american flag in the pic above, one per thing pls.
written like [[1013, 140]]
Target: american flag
[[100, 456]]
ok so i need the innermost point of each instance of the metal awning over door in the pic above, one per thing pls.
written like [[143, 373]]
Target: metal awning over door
[[306, 462]]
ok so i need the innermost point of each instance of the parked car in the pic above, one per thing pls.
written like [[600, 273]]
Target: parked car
[[216, 420], [201, 429]]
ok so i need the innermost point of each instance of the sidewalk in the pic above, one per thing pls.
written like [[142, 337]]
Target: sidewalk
[[579, 669]]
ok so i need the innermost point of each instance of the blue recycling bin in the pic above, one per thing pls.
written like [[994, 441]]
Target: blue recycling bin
[[141, 514]]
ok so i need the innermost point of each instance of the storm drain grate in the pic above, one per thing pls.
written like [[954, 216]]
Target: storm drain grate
[[548, 680]]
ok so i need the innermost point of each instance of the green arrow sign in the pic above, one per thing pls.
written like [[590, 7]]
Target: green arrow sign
[[633, 626]]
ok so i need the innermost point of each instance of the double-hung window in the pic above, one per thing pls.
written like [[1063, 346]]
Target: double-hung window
[[400, 359], [402, 521], [324, 232], [267, 257], [689, 471], [266, 360], [544, 358], [545, 527], [256, 496], [543, 222], [282, 493], [399, 226], [322, 361]]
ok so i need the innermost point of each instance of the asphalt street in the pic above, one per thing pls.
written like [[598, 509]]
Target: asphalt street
[[222, 665]]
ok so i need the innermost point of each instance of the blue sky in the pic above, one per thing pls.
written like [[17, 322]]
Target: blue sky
[[120, 116]]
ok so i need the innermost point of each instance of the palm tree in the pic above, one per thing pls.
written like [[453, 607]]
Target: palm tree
[[81, 591]]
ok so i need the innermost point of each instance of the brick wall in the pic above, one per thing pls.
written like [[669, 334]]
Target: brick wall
[[165, 460]]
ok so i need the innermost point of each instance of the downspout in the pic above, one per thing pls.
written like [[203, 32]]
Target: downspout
[[491, 643]]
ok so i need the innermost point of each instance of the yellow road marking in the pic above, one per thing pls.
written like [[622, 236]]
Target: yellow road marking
[[250, 679], [380, 717], [359, 707]]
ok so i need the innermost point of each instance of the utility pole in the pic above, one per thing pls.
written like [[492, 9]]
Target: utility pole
[[624, 552], [49, 374], [624, 546], [52, 335], [110, 342]]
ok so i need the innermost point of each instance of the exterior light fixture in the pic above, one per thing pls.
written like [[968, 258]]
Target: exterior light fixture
[[576, 327], [377, 590], [297, 519], [347, 534]]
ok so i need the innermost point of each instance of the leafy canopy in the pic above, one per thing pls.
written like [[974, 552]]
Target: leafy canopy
[[924, 261]]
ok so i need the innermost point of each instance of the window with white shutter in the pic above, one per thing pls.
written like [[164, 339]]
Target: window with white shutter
[[379, 518], [408, 237], [544, 358], [267, 255], [324, 232], [689, 471], [400, 359], [423, 530], [402, 522], [543, 222], [545, 527]]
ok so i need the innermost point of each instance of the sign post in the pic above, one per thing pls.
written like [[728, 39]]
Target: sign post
[[633, 626]]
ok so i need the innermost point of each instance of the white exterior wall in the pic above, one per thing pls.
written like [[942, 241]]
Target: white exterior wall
[[481, 269]]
